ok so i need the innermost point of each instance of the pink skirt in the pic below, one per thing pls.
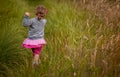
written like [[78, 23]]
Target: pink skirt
[[28, 43]]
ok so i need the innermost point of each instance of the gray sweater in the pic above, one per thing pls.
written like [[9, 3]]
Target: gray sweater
[[36, 27]]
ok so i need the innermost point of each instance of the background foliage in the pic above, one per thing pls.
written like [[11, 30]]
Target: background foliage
[[83, 39]]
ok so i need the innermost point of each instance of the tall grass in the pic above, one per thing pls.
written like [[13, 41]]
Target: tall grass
[[108, 10], [78, 42], [12, 56]]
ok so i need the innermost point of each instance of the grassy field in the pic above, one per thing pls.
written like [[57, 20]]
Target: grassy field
[[79, 42]]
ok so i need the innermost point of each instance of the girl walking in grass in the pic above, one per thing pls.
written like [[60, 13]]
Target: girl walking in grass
[[35, 40]]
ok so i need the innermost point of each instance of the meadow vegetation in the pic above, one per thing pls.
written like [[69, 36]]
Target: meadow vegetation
[[83, 39]]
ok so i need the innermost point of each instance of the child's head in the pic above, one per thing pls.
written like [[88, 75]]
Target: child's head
[[40, 11]]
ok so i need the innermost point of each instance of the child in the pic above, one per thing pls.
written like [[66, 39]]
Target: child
[[35, 40]]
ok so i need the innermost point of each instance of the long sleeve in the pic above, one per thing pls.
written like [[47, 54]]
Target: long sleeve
[[27, 21]]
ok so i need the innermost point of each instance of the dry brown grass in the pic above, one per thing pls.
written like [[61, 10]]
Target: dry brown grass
[[109, 11]]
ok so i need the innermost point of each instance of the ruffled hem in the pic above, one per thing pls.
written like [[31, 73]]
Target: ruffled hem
[[28, 43], [34, 42], [31, 46]]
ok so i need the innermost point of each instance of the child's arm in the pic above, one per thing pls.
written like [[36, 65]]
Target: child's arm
[[26, 20]]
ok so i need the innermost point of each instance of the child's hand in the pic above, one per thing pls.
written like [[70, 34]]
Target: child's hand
[[27, 13]]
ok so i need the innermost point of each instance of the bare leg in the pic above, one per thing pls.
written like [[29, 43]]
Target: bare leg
[[36, 58]]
